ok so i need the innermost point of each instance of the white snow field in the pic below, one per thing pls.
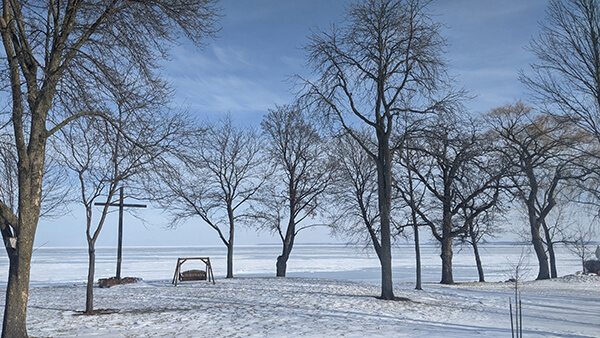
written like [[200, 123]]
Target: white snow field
[[292, 306], [331, 292]]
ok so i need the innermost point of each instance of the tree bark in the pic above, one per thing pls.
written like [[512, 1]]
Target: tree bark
[[538, 246], [446, 256], [230, 260], [281, 265], [476, 253], [288, 245], [230, 242], [413, 214], [89, 294], [478, 262], [417, 255], [30, 192], [15, 310], [551, 255], [384, 177]]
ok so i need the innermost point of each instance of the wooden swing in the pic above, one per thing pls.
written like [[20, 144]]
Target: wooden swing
[[193, 275]]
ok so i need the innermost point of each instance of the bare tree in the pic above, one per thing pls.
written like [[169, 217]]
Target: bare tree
[[354, 211], [579, 238], [383, 62], [462, 178], [49, 49], [566, 79], [214, 176], [102, 159], [298, 154], [409, 191], [543, 162], [478, 229], [408, 188]]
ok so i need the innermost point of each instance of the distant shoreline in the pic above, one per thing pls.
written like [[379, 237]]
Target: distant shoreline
[[402, 245]]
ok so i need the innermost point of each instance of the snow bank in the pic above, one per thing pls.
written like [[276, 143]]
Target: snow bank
[[277, 307]]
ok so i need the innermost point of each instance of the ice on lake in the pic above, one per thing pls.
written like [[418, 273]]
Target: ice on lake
[[56, 266]]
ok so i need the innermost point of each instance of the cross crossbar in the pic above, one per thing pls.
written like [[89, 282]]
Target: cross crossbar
[[121, 205]]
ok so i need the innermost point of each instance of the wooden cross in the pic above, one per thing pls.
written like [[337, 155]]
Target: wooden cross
[[121, 205]]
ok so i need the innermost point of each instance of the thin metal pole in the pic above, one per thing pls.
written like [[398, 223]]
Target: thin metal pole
[[520, 317], [120, 244], [512, 325]]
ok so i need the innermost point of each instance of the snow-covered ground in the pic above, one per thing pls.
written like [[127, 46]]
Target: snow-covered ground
[[283, 307], [331, 291]]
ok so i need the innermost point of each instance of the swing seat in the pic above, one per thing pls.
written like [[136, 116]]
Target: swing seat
[[192, 275]]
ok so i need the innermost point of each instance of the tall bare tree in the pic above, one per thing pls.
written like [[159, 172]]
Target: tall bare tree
[[408, 187], [49, 48], [302, 170], [462, 179], [384, 61], [565, 79], [579, 239], [215, 177], [540, 151], [102, 159], [479, 228]]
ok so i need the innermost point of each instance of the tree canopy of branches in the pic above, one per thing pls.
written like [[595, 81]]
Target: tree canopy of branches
[[461, 176], [566, 78], [353, 191], [302, 173], [383, 62], [57, 49], [542, 161], [101, 159], [214, 176]]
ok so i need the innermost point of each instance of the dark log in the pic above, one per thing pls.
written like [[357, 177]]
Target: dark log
[[112, 281]]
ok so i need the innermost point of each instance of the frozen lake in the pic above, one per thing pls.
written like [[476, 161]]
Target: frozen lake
[[56, 266]]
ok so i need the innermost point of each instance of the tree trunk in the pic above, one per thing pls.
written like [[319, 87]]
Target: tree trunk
[[415, 225], [281, 265], [478, 262], [475, 246], [384, 178], [417, 253], [89, 292], [446, 256], [15, 310], [288, 245], [552, 256], [553, 271], [538, 246], [230, 243], [230, 260], [17, 291]]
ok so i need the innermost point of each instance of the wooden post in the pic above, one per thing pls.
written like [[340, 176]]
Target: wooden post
[[121, 206]]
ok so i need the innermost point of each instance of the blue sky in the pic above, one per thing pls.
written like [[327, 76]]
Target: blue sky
[[245, 72]]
